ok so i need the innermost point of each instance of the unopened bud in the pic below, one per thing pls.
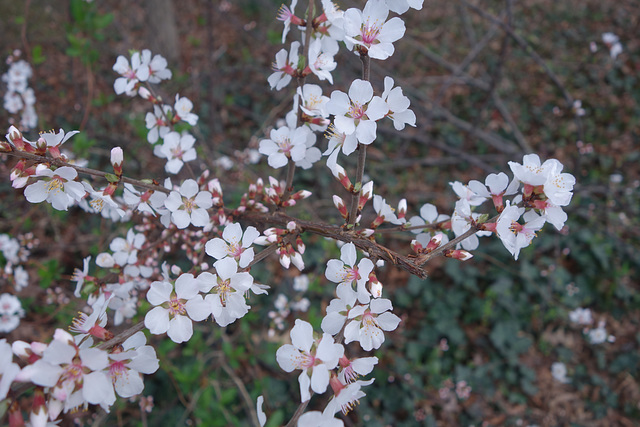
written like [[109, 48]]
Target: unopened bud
[[339, 204], [402, 208], [434, 242], [285, 261], [117, 157], [145, 93], [375, 285], [296, 259], [459, 254]]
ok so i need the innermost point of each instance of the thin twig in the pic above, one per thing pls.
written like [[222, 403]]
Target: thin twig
[[88, 171], [288, 189], [251, 407], [362, 151]]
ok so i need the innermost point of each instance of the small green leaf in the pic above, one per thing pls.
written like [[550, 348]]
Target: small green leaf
[[111, 178]]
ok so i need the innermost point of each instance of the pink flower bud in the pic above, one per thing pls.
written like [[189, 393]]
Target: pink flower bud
[[459, 254], [402, 208], [145, 93], [434, 242]]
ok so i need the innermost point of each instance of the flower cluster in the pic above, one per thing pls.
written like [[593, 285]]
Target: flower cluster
[[19, 97], [69, 376], [10, 312], [189, 218]]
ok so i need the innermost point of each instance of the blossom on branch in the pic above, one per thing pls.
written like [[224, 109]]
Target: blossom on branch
[[369, 31], [316, 358], [285, 66], [234, 244], [177, 149], [175, 308], [346, 271], [285, 143], [356, 113], [58, 187], [188, 205], [225, 291], [368, 323]]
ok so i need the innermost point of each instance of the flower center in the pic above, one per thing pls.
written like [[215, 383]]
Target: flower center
[[285, 146], [189, 204], [356, 111], [223, 289], [176, 307], [235, 250], [55, 185], [350, 274], [117, 368], [369, 33], [97, 204], [177, 152], [72, 372], [516, 227], [368, 320]]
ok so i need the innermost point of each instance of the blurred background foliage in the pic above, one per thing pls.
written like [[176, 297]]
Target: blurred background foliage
[[489, 81]]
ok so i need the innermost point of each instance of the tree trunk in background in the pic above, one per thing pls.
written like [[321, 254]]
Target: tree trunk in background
[[162, 31]]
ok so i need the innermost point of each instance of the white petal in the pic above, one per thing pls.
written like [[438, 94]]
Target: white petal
[[348, 254], [333, 323], [186, 286], [97, 389], [304, 381], [388, 321], [181, 219], [180, 329], [288, 357], [159, 292], [217, 248], [302, 335], [157, 320], [198, 309], [319, 378]]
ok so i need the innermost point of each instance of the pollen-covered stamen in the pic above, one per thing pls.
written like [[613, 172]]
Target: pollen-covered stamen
[[347, 370], [559, 182], [56, 185], [285, 146], [223, 289], [72, 372], [176, 307], [189, 204], [235, 250], [78, 324], [312, 102], [348, 406], [370, 33], [284, 13], [350, 274], [177, 152], [516, 227], [97, 204], [117, 368], [368, 320], [357, 111]]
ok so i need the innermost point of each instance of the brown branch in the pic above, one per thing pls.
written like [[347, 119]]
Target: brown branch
[[423, 259], [88, 171], [122, 336], [374, 249]]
